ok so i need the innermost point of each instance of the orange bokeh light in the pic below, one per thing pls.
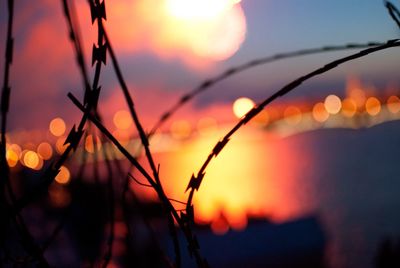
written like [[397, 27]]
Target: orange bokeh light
[[220, 226], [181, 129], [207, 125], [262, 119], [332, 104], [122, 119], [355, 92], [12, 158], [13, 151], [349, 107], [16, 148], [393, 104], [31, 160], [319, 112], [60, 146], [373, 106], [241, 106], [59, 196], [292, 115], [57, 127], [90, 143], [45, 150], [64, 176], [358, 95], [122, 136]]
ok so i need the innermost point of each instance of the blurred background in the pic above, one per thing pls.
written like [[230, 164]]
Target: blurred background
[[320, 161]]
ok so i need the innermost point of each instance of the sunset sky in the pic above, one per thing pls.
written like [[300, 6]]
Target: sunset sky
[[165, 51]]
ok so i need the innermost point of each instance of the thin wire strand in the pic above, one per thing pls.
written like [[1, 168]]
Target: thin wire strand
[[195, 181], [207, 84]]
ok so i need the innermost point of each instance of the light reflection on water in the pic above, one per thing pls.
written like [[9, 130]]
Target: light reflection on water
[[345, 177], [253, 175]]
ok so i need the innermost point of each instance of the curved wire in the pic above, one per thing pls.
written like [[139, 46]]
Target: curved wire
[[206, 84], [196, 180]]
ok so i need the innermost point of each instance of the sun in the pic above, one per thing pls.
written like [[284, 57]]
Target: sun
[[199, 9], [241, 106], [212, 29]]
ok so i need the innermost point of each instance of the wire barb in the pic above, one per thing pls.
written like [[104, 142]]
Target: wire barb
[[98, 12], [393, 12], [74, 137], [99, 54], [194, 182]]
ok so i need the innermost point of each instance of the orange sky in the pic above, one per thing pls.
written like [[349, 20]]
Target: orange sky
[[160, 55], [44, 69]]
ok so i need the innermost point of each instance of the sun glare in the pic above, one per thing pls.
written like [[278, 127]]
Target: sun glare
[[241, 106], [199, 9], [210, 29]]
